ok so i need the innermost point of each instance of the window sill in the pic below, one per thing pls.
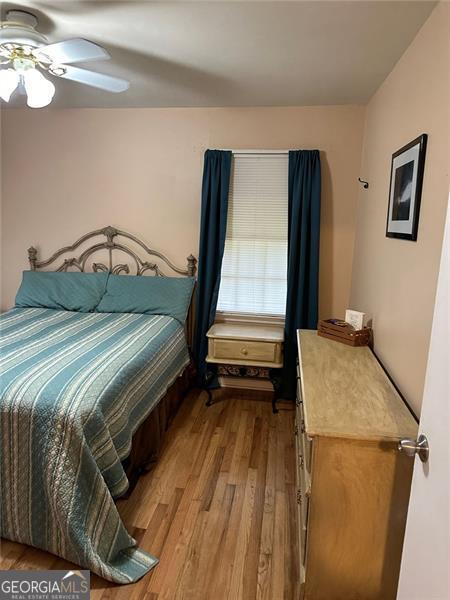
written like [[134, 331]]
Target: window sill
[[222, 317]]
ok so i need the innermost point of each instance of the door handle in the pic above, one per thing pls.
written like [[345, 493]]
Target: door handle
[[413, 447]]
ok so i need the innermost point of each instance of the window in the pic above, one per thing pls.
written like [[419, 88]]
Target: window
[[254, 265]]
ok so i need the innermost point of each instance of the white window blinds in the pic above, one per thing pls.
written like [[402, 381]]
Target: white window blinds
[[254, 266]]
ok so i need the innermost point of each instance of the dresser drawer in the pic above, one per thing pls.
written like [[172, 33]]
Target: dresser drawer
[[243, 350], [305, 486], [303, 490], [304, 441], [304, 507], [299, 396], [306, 446]]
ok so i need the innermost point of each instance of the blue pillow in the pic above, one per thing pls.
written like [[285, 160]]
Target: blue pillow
[[149, 295], [62, 291]]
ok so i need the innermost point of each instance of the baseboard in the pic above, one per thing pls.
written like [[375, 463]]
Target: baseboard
[[245, 383]]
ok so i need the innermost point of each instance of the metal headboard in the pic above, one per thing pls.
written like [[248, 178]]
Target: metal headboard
[[111, 244]]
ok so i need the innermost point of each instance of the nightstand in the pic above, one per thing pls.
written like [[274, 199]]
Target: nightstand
[[246, 351]]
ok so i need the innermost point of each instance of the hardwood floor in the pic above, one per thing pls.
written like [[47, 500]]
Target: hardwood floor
[[218, 509]]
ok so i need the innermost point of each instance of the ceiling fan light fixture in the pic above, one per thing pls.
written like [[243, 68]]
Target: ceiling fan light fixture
[[40, 90], [23, 63], [27, 51], [9, 80]]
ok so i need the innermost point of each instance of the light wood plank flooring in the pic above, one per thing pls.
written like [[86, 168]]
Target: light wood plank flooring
[[218, 509]]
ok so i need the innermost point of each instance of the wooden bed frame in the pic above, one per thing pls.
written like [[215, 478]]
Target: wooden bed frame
[[148, 438]]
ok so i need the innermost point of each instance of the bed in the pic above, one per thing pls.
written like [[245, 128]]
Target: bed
[[85, 399]]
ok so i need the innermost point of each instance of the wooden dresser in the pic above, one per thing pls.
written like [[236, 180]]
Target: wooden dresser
[[353, 483]]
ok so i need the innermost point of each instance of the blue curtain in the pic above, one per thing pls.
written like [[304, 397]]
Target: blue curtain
[[303, 256], [215, 186]]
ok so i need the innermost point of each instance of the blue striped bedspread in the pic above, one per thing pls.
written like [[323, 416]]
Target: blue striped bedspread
[[74, 388]]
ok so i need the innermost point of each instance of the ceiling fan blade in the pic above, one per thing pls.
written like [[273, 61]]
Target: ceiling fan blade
[[98, 80], [71, 51]]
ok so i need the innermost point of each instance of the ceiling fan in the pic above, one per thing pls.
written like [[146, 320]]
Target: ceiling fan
[[27, 54]]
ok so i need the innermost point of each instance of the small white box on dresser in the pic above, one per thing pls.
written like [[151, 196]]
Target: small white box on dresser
[[356, 319]]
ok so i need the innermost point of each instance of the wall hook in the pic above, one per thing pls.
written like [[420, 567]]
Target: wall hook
[[365, 183]]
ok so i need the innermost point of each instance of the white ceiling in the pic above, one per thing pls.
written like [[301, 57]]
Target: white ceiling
[[233, 53]]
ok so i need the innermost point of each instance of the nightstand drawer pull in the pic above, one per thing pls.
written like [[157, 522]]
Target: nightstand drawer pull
[[244, 351]]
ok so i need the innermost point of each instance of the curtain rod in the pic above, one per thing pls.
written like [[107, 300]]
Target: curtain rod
[[259, 151]]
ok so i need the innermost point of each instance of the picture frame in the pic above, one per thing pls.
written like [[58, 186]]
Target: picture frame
[[405, 190]]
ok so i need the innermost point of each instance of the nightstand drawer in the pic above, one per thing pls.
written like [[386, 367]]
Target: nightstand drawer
[[243, 350]]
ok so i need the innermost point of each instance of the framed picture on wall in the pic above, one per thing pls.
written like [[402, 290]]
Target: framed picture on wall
[[406, 189]]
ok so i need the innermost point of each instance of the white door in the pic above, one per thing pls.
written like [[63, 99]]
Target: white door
[[425, 567]]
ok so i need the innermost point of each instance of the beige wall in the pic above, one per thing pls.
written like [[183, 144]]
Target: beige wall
[[395, 280], [69, 171]]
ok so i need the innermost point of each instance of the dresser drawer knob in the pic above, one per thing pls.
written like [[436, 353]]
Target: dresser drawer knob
[[244, 351]]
